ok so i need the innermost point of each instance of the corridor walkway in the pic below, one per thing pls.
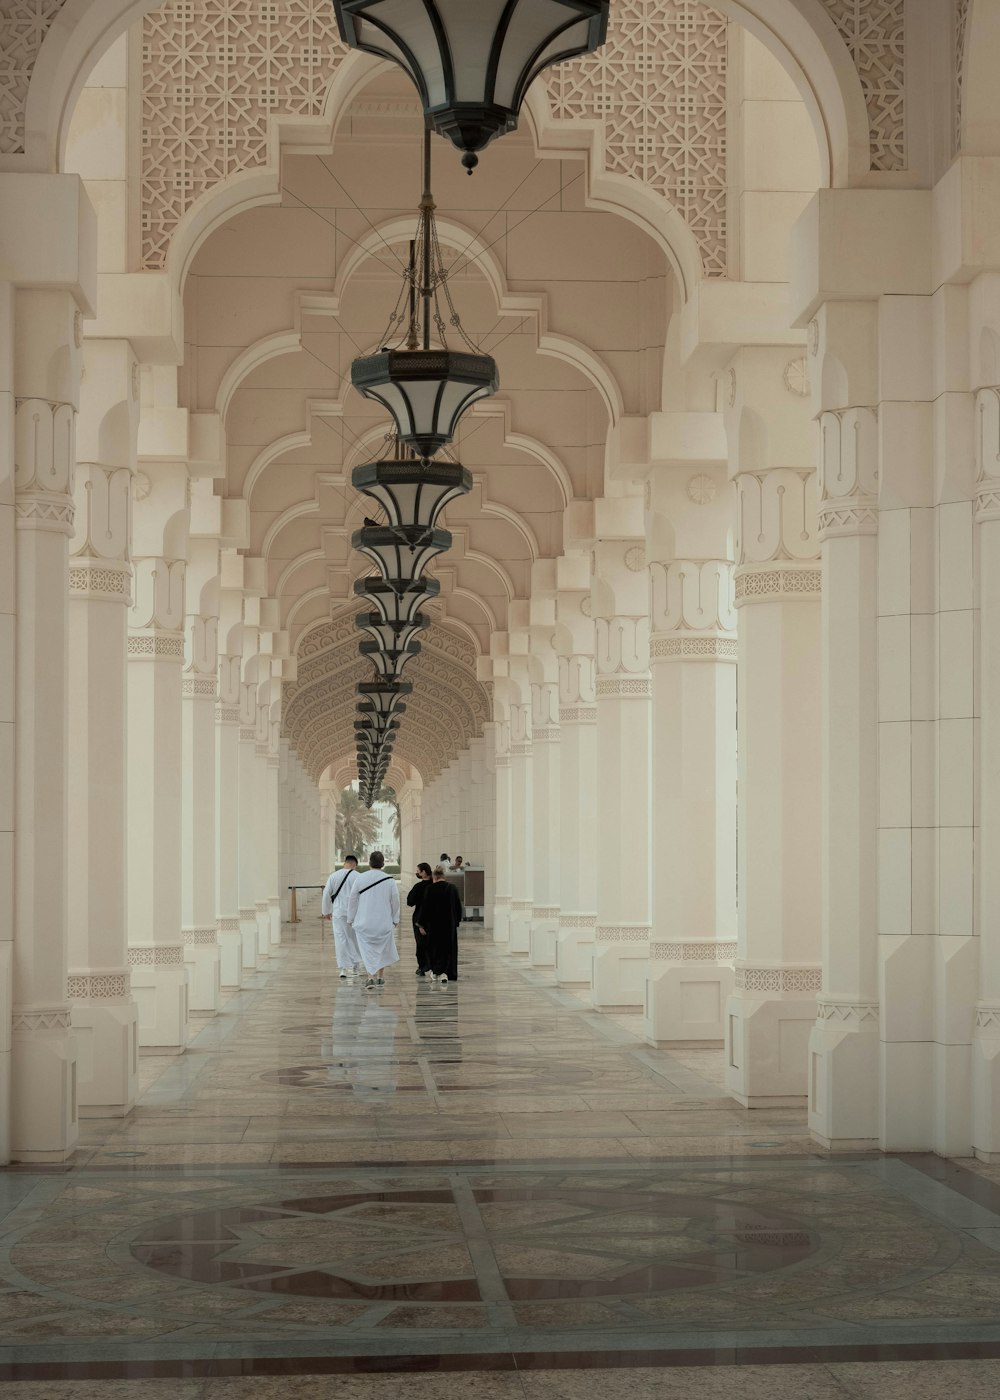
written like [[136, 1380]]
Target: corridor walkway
[[340, 1193]]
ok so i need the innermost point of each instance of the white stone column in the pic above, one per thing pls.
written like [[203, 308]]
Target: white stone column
[[262, 842], [247, 825], [986, 1042], [227, 816], [521, 812], [43, 1058], [489, 827], [100, 585], [546, 794], [578, 798], [693, 665], [620, 601], [199, 694], [773, 1008], [844, 1045], [500, 906], [155, 664]]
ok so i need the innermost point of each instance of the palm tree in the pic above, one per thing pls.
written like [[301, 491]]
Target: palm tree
[[388, 794], [357, 825]]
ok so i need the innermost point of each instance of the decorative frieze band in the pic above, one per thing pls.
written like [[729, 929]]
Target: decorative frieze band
[[503, 760], [623, 933], [158, 955], [41, 1018], [100, 581], [846, 519], [227, 714], [501, 901], [988, 1020], [98, 986], [635, 686], [261, 905], [54, 513], [228, 925], [247, 914], [248, 734], [577, 714], [545, 911], [779, 979], [199, 936], [577, 920], [520, 750], [521, 906], [692, 952], [773, 585], [988, 500], [692, 648], [548, 735], [846, 1013], [200, 685], [156, 646]]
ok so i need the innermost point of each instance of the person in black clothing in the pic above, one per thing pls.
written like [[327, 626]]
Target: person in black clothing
[[441, 913], [414, 900]]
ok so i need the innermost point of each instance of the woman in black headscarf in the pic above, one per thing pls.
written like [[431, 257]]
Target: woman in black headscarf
[[414, 900], [441, 913]]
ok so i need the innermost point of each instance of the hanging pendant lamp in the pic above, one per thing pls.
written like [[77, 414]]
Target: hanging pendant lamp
[[396, 600], [389, 664], [426, 388], [390, 635], [472, 60], [412, 492], [382, 698], [400, 551]]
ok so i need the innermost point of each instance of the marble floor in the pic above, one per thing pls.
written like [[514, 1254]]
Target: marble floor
[[480, 1190]]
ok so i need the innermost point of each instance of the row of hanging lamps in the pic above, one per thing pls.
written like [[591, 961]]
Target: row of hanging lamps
[[426, 386], [473, 60]]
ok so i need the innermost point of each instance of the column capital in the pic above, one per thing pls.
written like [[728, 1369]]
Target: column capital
[[848, 473], [44, 461], [777, 546]]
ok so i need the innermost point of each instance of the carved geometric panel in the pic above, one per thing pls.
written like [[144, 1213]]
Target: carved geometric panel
[[659, 85], [23, 26], [960, 30], [214, 73], [874, 32]]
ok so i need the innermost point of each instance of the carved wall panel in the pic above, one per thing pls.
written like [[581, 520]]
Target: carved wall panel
[[23, 26], [875, 33], [659, 85], [692, 595]]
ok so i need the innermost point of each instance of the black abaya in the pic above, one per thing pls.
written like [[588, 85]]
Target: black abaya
[[414, 900], [440, 915]]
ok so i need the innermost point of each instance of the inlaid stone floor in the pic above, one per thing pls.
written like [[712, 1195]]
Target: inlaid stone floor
[[482, 1190]]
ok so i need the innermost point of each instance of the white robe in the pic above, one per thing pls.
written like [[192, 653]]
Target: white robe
[[373, 915], [344, 942]]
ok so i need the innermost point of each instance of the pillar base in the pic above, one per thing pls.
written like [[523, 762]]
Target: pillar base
[[230, 952], [986, 1084], [767, 1037], [685, 998], [43, 1083], [844, 1076], [107, 1043], [160, 988], [520, 927], [248, 933], [575, 950], [620, 964], [201, 957], [274, 913], [542, 937], [263, 915], [501, 919]]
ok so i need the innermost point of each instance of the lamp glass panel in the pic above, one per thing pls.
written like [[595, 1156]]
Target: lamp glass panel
[[412, 24], [525, 33], [470, 30]]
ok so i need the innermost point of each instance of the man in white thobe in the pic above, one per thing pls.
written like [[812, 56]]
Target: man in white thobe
[[373, 912], [336, 896]]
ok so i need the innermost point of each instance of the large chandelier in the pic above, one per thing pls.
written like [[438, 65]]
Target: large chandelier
[[472, 60], [396, 600]]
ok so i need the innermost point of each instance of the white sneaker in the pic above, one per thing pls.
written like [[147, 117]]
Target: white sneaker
[[431, 977], [444, 977], [370, 985]]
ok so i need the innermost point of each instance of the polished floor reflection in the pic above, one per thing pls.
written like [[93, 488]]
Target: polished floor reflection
[[489, 1183]]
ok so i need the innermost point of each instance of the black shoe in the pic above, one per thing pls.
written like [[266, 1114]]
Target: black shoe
[[420, 972]]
